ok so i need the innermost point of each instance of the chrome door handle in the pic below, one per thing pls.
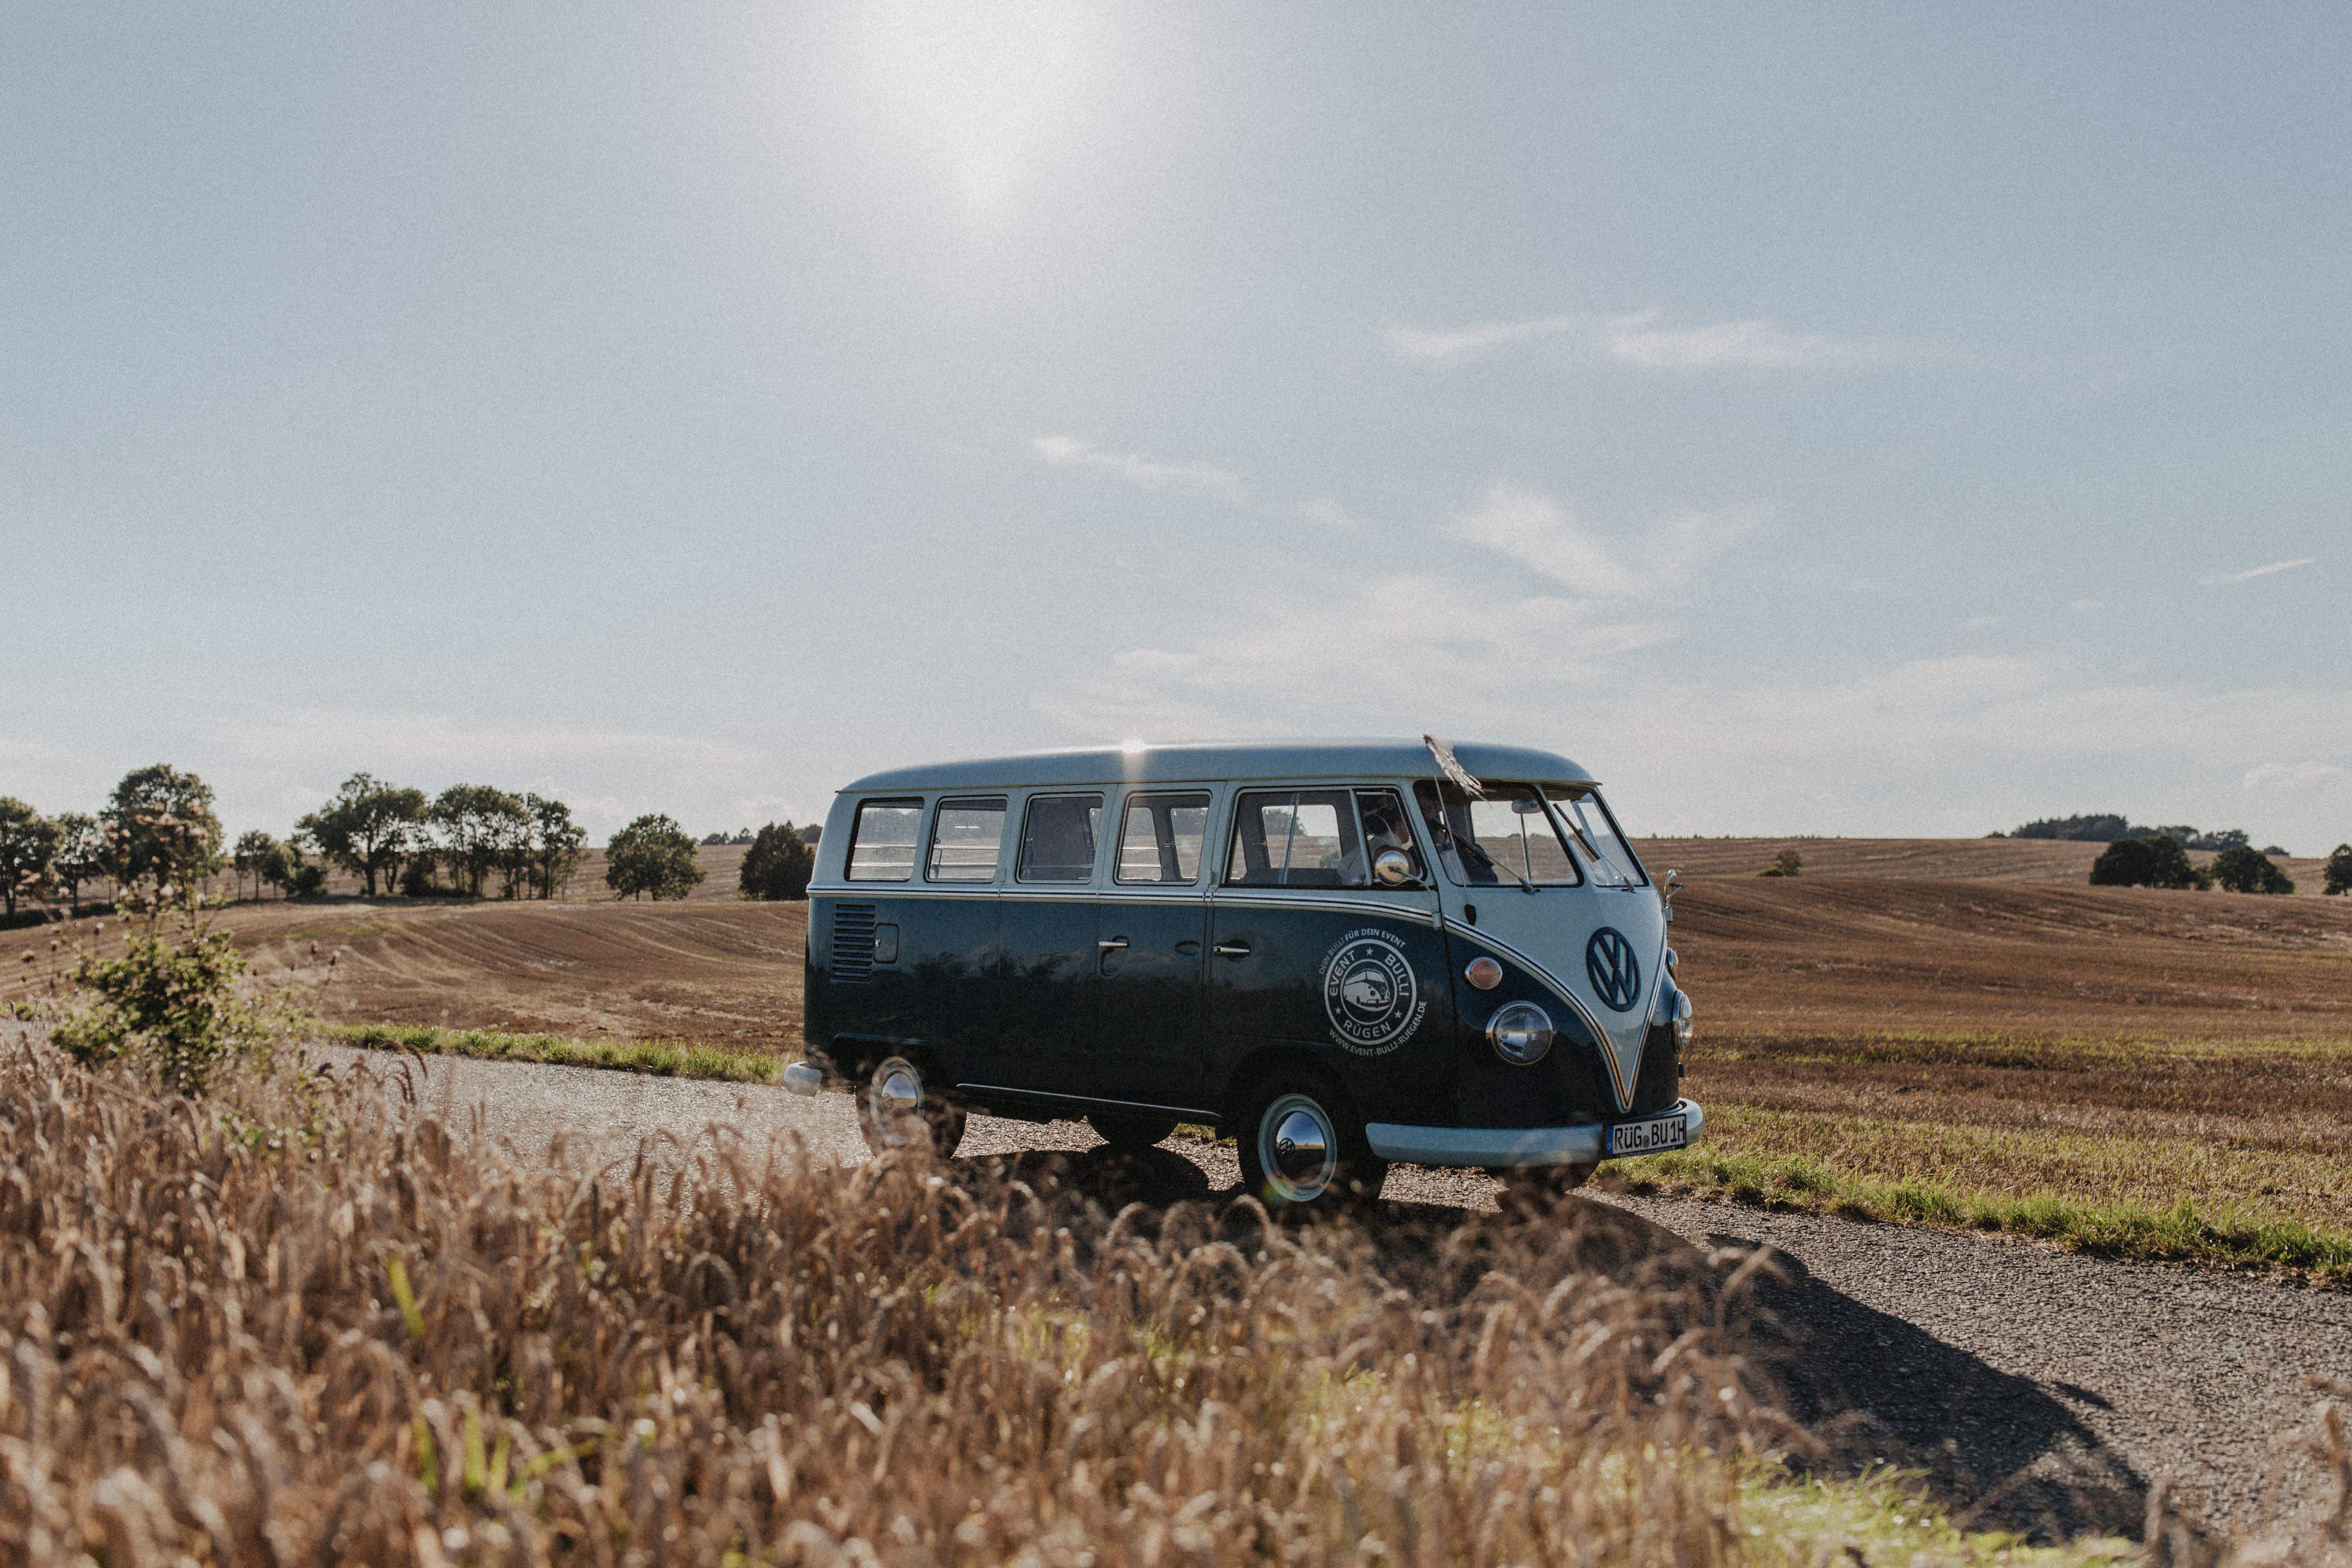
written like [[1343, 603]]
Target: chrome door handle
[[1233, 950], [1111, 943]]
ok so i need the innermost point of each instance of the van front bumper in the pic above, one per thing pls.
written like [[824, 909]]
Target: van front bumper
[[1505, 1147]]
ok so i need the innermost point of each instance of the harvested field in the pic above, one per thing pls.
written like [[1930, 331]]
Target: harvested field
[[2037, 861]]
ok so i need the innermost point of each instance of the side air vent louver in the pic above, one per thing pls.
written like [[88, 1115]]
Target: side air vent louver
[[853, 943]]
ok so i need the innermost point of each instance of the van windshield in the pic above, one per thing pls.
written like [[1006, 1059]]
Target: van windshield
[[1594, 832]]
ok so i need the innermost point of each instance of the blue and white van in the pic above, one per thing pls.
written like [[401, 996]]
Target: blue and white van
[[1340, 954]]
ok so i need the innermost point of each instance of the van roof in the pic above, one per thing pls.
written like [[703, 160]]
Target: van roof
[[1205, 761]]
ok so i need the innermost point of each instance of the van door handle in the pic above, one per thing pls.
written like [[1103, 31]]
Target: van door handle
[[1233, 950], [1111, 943]]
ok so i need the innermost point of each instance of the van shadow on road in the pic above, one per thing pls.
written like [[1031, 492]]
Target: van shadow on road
[[1998, 1450]]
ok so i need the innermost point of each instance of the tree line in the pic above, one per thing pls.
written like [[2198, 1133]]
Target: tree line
[[158, 832]]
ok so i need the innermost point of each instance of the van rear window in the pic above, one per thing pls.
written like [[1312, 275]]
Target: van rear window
[[1160, 839], [1057, 843], [967, 837], [882, 841]]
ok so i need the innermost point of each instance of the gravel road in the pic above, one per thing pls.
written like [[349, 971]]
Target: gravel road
[[2047, 1389]]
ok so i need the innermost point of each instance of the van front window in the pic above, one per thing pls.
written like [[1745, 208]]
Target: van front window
[[1594, 831]]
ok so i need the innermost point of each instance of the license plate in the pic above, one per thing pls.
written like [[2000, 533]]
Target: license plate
[[1648, 1137]]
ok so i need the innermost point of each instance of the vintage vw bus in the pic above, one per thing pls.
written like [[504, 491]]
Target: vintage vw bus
[[1342, 953]]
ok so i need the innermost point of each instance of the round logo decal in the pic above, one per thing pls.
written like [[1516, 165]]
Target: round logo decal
[[1370, 992], [1615, 972]]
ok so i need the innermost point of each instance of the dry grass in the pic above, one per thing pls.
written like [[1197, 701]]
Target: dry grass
[[228, 1339]]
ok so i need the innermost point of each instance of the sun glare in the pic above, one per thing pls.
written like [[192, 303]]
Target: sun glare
[[983, 94]]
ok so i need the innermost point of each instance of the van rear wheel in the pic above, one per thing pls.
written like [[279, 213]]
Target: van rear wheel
[[1302, 1147], [1129, 1135], [897, 1109]]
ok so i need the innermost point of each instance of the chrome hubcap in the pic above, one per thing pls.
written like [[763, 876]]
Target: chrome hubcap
[[1298, 1149], [895, 1098]]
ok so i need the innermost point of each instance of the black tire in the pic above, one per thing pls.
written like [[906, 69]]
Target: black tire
[[1302, 1146], [897, 1109], [1129, 1135]]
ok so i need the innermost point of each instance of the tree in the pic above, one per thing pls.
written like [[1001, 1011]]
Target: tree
[[255, 853], [2243, 869], [480, 824], [28, 845], [159, 829], [652, 855], [778, 865], [556, 844], [2339, 871], [2146, 863], [82, 854], [366, 827], [1786, 863]]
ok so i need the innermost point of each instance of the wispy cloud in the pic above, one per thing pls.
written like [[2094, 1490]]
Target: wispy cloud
[[1537, 532], [1331, 514], [1438, 347], [2248, 576], [1146, 473], [1751, 344], [1639, 338], [2293, 775]]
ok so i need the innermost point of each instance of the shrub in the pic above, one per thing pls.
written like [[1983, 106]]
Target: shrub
[[168, 1003], [778, 865], [2146, 863], [2241, 869], [2339, 871], [1787, 863], [652, 855]]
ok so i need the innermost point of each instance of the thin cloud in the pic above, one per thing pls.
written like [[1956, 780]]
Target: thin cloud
[[1537, 532], [1146, 473], [1639, 338], [2249, 576], [1440, 347], [2293, 775], [1331, 514], [1748, 344]]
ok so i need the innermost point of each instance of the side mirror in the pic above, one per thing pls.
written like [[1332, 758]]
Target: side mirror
[[1393, 868]]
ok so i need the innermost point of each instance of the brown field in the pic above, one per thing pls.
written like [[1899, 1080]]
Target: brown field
[[1965, 1009]]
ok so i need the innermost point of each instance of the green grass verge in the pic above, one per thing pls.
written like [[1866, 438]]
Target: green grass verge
[[662, 1058], [2181, 1232], [1880, 1517]]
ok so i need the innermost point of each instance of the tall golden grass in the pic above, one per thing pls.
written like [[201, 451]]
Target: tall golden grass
[[301, 1322]]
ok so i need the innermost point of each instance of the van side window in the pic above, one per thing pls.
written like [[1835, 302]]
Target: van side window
[[1385, 825], [967, 838], [1296, 838], [1160, 839], [1057, 844], [882, 840]]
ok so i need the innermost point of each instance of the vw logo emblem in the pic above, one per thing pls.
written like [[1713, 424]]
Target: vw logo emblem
[[1615, 972]]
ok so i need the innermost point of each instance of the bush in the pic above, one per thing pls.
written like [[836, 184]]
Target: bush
[[169, 1003], [1786, 863], [2241, 869], [2339, 871], [2146, 863], [652, 855], [778, 865]]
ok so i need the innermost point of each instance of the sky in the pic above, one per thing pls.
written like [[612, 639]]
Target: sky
[[1852, 420]]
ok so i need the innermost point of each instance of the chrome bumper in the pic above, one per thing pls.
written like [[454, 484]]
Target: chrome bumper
[[801, 1079], [1509, 1146]]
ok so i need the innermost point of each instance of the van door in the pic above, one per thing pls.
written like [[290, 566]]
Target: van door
[[1045, 936], [1308, 950], [1148, 1040]]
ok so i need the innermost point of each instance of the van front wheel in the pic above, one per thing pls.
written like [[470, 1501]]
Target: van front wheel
[[896, 1108], [1301, 1147]]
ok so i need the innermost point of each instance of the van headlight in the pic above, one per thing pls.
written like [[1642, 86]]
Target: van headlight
[[1520, 1033], [1681, 1017]]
